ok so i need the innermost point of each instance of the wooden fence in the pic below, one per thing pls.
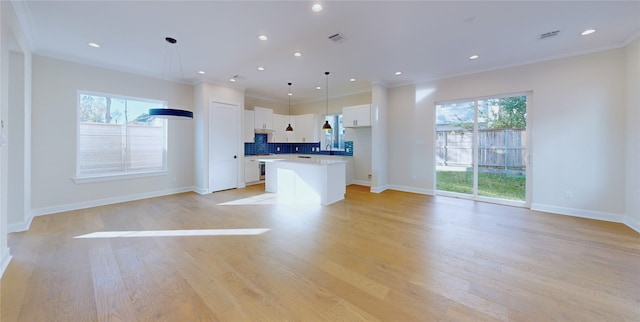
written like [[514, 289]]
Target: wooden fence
[[497, 149]]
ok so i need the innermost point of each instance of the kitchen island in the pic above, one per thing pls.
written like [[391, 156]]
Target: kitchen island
[[310, 179]]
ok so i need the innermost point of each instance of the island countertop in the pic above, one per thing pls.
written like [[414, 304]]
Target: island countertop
[[302, 159], [318, 180]]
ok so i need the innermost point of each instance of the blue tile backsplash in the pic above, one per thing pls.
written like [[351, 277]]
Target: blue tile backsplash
[[261, 146]]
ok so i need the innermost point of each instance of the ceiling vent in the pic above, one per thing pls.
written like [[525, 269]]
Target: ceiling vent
[[337, 38], [549, 34]]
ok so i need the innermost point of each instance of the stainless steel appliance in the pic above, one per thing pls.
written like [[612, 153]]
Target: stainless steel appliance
[[262, 167]]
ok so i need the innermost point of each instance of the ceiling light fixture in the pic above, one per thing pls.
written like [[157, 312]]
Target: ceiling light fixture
[[94, 45], [289, 128], [170, 113], [398, 73], [318, 87], [316, 7], [297, 54], [260, 68], [234, 78], [326, 125], [473, 57], [352, 79], [201, 72], [587, 32], [262, 37]]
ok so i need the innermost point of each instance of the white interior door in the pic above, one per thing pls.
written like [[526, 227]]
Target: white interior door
[[224, 122]]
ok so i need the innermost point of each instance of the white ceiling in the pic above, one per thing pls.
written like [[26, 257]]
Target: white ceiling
[[423, 39]]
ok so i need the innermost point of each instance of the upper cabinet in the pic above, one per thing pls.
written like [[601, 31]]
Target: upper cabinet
[[263, 118], [356, 116], [249, 132], [305, 128], [280, 123]]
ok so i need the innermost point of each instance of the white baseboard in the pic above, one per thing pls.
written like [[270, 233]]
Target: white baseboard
[[4, 261], [200, 191], [107, 201], [578, 212], [379, 189], [421, 191], [632, 223], [361, 183], [22, 226]]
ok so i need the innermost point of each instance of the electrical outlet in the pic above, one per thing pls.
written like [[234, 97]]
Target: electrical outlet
[[568, 195]]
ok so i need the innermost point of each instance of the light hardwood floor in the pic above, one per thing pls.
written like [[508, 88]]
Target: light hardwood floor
[[392, 256]]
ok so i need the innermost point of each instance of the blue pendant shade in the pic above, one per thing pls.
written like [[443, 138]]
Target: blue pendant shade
[[170, 113]]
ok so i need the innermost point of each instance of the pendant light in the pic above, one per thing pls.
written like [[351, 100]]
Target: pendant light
[[326, 125], [289, 128], [170, 113]]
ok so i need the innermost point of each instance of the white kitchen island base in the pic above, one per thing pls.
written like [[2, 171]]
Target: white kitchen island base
[[316, 181]]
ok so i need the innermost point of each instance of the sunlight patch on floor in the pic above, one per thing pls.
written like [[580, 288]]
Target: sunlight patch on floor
[[175, 233], [269, 199]]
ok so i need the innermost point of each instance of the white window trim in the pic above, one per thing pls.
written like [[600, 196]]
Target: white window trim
[[78, 179], [119, 176]]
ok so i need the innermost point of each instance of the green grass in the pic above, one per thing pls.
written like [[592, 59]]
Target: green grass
[[489, 184]]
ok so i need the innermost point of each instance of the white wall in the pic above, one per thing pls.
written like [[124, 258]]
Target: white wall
[[633, 136], [55, 88], [335, 104], [16, 208], [202, 94], [15, 112], [278, 108], [578, 136], [380, 139]]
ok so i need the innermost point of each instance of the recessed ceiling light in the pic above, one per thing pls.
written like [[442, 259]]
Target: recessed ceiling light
[[262, 37], [398, 73], [94, 45], [472, 57], [260, 68], [290, 94], [316, 7], [318, 87], [297, 54], [588, 32], [352, 79], [232, 79], [201, 72]]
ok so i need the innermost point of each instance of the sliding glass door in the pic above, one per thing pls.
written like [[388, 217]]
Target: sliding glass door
[[481, 149]]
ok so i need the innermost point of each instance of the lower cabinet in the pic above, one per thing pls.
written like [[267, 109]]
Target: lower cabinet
[[251, 170]]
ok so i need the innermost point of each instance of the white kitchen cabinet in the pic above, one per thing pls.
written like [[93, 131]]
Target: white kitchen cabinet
[[251, 170], [356, 116], [263, 118], [249, 132], [306, 128], [280, 123]]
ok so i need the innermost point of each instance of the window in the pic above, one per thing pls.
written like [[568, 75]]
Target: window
[[481, 148], [333, 139], [116, 136]]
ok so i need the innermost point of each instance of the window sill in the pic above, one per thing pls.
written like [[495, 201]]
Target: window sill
[[124, 176]]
